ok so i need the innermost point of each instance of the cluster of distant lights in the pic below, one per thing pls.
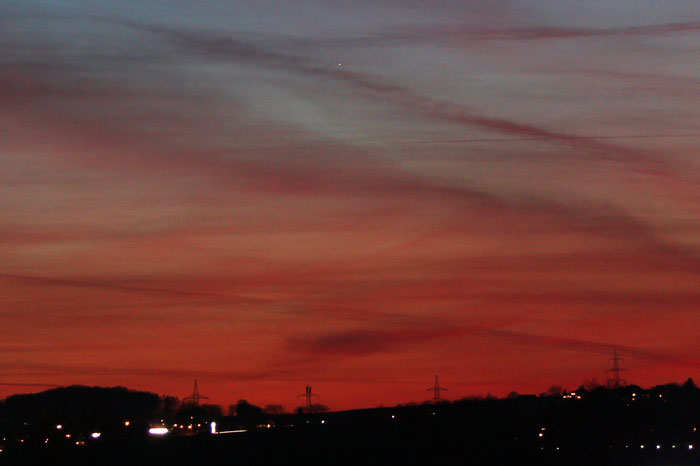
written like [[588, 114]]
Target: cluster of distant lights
[[658, 447], [163, 430], [641, 446]]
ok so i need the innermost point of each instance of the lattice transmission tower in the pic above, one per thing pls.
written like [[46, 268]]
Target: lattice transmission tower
[[309, 395], [195, 397], [614, 380], [436, 389]]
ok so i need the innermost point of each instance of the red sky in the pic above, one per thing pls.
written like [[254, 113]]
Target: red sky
[[358, 197]]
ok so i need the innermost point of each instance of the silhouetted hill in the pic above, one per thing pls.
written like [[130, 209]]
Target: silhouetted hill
[[629, 425], [76, 408]]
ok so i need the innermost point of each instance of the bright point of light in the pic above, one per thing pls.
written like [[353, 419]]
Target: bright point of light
[[213, 427], [126, 423], [393, 417], [59, 427], [641, 446], [634, 394], [158, 430], [658, 447], [541, 434], [690, 447], [95, 435], [67, 435], [190, 426]]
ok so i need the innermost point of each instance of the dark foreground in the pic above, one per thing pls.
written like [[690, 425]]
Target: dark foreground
[[338, 445], [627, 426], [479, 433]]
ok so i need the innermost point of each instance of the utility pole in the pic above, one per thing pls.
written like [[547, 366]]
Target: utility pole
[[308, 395], [436, 390], [614, 380], [195, 397]]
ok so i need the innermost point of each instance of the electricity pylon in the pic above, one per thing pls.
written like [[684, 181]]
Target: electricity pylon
[[308, 395], [436, 389], [614, 380], [195, 396]]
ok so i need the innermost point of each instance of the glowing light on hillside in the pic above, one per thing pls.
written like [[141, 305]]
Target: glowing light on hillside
[[158, 430]]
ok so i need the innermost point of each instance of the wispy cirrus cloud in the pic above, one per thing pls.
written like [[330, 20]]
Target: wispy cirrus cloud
[[464, 35], [179, 183], [364, 342]]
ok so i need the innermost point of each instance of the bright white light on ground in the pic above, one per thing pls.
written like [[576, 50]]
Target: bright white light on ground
[[158, 430], [95, 435], [59, 427], [213, 427]]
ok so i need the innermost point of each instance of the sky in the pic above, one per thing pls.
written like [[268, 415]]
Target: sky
[[357, 195]]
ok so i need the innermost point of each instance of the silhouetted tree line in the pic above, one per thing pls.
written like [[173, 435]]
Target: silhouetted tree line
[[79, 407], [85, 409]]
